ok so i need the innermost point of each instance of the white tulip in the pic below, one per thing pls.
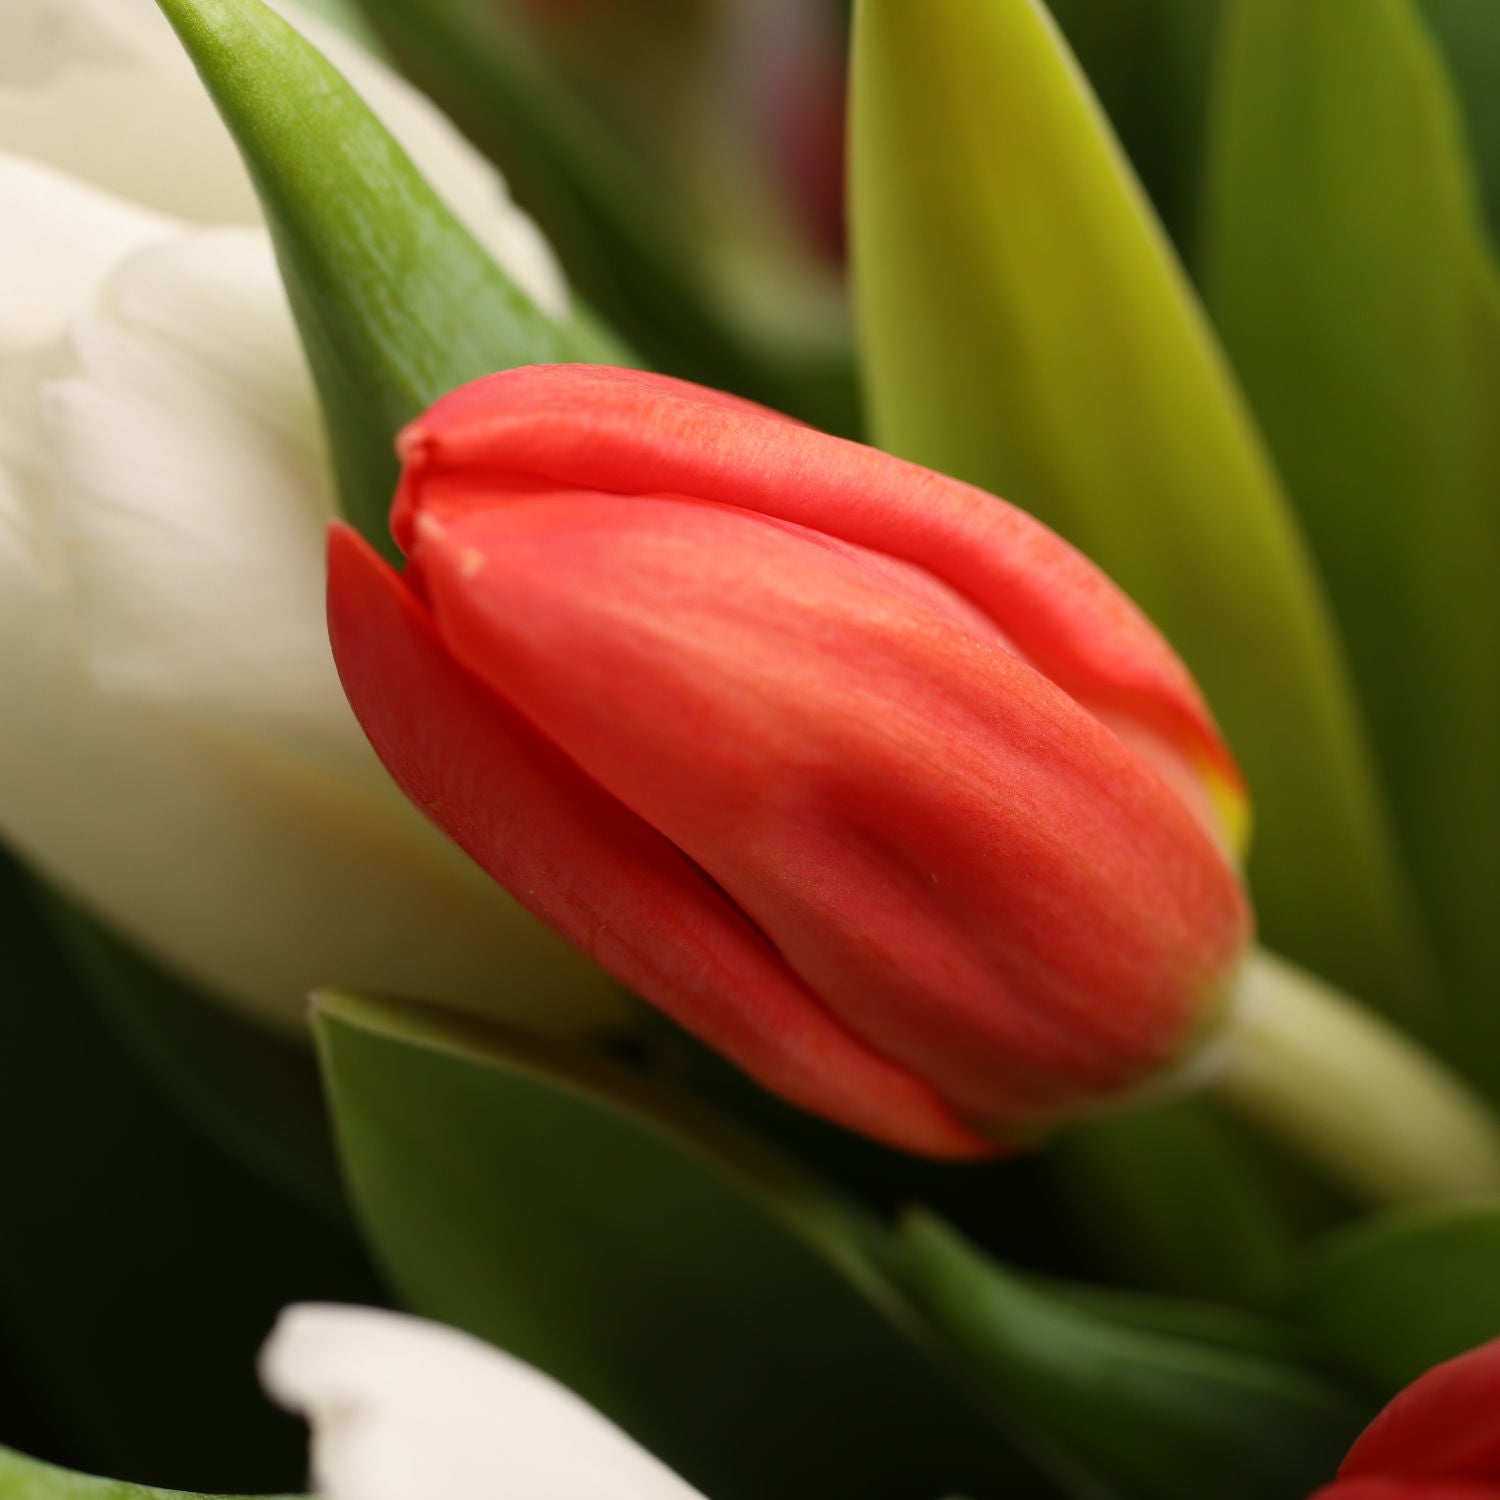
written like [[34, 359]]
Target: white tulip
[[175, 750], [402, 1409]]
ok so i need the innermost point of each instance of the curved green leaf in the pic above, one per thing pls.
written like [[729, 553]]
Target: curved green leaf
[[685, 1283], [630, 245], [397, 303], [1026, 326], [1393, 1297], [1347, 265], [1153, 1415], [1468, 31], [26, 1479], [1151, 63]]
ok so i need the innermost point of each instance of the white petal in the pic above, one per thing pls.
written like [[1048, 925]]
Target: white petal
[[60, 239], [60, 243], [403, 1409], [193, 492], [176, 751], [101, 89]]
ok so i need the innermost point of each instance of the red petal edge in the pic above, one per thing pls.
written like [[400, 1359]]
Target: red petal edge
[[597, 874], [1444, 1426], [624, 431]]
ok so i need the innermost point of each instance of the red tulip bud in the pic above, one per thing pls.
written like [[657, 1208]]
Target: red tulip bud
[[860, 774], [1438, 1440]]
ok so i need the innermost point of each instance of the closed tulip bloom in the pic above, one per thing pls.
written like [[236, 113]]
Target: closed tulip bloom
[[1438, 1440], [860, 774]]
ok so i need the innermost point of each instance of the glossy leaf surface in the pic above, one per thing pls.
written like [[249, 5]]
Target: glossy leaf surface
[[682, 1282]]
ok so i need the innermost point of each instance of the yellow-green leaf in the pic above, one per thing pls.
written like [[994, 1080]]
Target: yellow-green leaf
[[1026, 326], [1347, 264]]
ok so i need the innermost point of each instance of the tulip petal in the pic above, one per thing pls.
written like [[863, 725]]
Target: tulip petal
[[61, 238], [1445, 1426], [903, 805], [1377, 1487], [584, 427], [1064, 362], [71, 70], [594, 871], [403, 1409], [192, 491], [161, 687]]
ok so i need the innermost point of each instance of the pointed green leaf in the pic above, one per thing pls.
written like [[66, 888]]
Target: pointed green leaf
[[397, 303], [631, 247], [25, 1479], [1347, 266], [1468, 31], [688, 1285], [1151, 64], [1155, 1416], [1393, 1297], [1026, 326]]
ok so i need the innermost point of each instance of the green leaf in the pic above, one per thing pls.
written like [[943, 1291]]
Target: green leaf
[[1151, 64], [1026, 327], [1395, 1296], [688, 1285], [1468, 31], [1186, 1211], [1204, 1323], [397, 303], [140, 1269], [257, 1095], [1154, 1416], [629, 245], [1347, 266], [25, 1479]]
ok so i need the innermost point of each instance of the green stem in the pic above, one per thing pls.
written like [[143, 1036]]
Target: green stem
[[1350, 1092]]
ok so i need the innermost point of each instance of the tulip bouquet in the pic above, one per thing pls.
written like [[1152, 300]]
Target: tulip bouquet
[[557, 820]]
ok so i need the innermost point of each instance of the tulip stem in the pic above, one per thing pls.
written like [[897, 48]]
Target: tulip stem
[[1347, 1090]]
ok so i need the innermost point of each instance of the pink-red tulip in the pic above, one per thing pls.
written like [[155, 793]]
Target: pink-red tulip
[[861, 774], [1438, 1440]]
